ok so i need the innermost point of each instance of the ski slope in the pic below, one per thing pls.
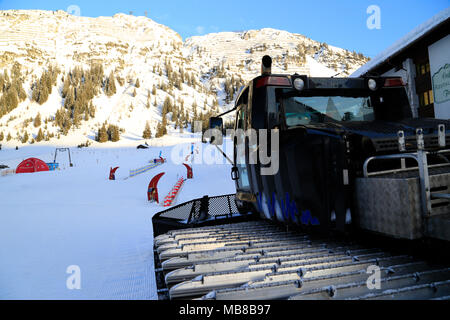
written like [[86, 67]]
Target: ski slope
[[76, 216]]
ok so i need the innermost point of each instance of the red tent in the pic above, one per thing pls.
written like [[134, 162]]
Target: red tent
[[32, 165]]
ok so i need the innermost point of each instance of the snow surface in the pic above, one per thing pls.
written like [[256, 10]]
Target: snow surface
[[76, 216]]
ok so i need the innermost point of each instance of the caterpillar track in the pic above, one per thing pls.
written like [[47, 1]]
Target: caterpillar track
[[259, 260]]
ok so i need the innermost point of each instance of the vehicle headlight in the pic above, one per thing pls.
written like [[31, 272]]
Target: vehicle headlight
[[299, 84], [372, 84]]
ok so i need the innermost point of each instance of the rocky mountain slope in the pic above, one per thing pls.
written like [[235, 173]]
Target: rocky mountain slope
[[68, 80]]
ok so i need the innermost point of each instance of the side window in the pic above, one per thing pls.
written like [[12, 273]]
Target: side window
[[242, 105], [243, 99], [241, 119], [239, 148]]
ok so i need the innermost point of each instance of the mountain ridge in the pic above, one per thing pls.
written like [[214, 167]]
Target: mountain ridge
[[158, 78]]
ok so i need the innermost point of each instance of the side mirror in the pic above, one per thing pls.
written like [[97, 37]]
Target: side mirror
[[216, 123], [215, 132]]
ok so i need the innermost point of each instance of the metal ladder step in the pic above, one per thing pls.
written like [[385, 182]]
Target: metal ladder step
[[189, 273], [185, 250], [217, 233], [253, 237], [440, 196], [206, 283], [387, 283], [427, 291], [235, 226], [260, 250], [271, 290]]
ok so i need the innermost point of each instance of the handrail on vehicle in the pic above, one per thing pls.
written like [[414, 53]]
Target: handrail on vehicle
[[424, 179]]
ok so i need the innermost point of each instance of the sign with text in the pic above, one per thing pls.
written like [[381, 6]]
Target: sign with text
[[441, 84], [439, 55]]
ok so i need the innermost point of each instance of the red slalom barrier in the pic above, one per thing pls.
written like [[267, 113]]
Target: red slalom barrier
[[189, 171], [152, 191], [112, 173], [173, 193]]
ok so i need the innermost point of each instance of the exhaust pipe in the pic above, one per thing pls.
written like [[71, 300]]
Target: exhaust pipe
[[266, 65]]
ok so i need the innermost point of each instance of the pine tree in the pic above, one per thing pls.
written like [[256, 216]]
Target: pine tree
[[2, 136], [25, 137], [91, 110], [59, 117], [164, 126], [113, 133], [102, 135], [175, 113], [70, 99], [158, 131], [37, 121], [40, 135], [8, 137], [110, 87], [161, 129], [147, 134], [138, 84], [76, 116], [21, 94], [66, 121], [10, 99], [42, 88], [35, 92], [43, 96], [66, 86], [167, 106]]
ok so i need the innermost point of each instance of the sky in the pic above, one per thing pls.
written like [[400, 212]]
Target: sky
[[349, 24]]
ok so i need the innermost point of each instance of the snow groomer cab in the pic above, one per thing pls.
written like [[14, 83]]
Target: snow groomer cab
[[329, 153]]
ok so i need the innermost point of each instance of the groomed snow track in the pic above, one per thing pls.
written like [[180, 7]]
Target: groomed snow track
[[259, 260]]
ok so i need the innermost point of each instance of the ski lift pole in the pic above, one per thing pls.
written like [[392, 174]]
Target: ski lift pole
[[62, 150], [70, 159]]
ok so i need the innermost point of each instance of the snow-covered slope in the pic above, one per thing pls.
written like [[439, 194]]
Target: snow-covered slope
[[76, 216], [202, 74]]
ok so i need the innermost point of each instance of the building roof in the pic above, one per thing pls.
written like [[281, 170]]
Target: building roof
[[404, 43]]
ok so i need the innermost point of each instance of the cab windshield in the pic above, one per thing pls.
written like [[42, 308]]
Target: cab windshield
[[321, 109]]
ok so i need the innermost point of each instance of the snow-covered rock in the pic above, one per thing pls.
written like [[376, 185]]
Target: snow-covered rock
[[139, 48]]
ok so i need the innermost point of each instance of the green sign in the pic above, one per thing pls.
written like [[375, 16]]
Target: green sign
[[441, 84]]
